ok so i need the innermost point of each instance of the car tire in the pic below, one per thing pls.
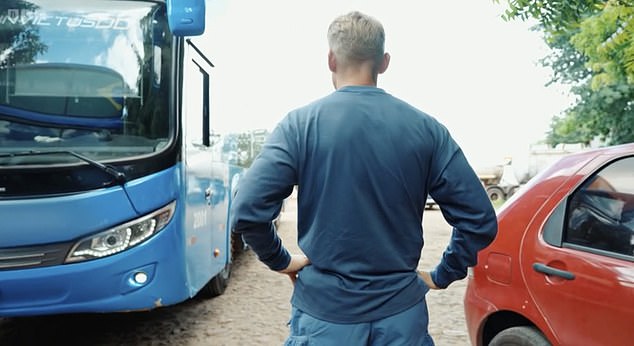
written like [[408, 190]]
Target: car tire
[[520, 336]]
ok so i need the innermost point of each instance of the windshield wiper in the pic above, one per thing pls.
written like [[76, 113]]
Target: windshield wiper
[[119, 176]]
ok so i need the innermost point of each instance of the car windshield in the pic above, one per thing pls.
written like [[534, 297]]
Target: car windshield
[[92, 80]]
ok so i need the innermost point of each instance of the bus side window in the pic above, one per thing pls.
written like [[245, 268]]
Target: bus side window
[[197, 100]]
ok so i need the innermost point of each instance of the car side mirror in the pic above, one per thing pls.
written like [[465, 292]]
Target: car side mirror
[[186, 17]]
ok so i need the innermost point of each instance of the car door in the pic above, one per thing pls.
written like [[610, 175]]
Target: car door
[[578, 264]]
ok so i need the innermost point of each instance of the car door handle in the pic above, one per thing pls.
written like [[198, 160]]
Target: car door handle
[[542, 268]]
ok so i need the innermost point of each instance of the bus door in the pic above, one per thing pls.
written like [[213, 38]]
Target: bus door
[[205, 208]]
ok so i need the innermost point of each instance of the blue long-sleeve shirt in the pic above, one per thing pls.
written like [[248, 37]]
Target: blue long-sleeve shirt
[[364, 162]]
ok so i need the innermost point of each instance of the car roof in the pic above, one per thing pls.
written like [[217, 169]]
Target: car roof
[[570, 170], [572, 163]]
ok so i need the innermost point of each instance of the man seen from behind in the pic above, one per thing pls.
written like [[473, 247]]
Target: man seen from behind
[[363, 162]]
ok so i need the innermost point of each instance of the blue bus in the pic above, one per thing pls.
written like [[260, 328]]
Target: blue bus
[[114, 195]]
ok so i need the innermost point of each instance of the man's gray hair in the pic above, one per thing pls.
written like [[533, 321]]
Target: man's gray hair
[[355, 37]]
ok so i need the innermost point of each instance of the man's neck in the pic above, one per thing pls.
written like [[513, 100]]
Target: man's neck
[[362, 74], [357, 80]]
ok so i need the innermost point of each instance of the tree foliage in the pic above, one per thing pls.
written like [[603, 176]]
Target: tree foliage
[[552, 14], [19, 42], [592, 44]]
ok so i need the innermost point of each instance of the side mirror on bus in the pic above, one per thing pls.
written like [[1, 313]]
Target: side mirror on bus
[[186, 17]]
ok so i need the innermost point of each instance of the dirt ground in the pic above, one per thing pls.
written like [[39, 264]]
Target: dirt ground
[[253, 311]]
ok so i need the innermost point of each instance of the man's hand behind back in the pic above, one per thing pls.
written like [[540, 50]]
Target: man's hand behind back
[[427, 279], [294, 266]]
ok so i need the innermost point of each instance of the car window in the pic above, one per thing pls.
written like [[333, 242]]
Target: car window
[[601, 212]]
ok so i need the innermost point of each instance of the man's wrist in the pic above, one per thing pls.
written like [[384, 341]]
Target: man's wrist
[[280, 262]]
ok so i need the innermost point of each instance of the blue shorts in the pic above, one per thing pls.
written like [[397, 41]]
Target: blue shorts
[[406, 328]]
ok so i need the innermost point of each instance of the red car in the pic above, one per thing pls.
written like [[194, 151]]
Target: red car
[[561, 270]]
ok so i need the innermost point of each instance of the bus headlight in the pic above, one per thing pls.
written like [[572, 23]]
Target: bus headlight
[[122, 237]]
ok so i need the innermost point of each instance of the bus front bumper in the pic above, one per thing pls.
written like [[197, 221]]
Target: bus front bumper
[[142, 278]]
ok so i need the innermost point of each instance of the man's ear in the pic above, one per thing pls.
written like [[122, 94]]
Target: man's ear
[[384, 63], [332, 61]]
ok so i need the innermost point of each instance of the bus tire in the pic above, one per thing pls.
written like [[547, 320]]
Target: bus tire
[[217, 285], [237, 244]]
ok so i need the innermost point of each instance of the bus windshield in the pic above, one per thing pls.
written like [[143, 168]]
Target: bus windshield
[[92, 79]]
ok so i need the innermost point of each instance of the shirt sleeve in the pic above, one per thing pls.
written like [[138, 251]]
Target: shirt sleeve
[[466, 207], [260, 194]]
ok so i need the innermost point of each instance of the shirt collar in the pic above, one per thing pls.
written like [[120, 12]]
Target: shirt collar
[[361, 89]]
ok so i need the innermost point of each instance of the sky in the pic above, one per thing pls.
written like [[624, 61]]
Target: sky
[[456, 60]]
